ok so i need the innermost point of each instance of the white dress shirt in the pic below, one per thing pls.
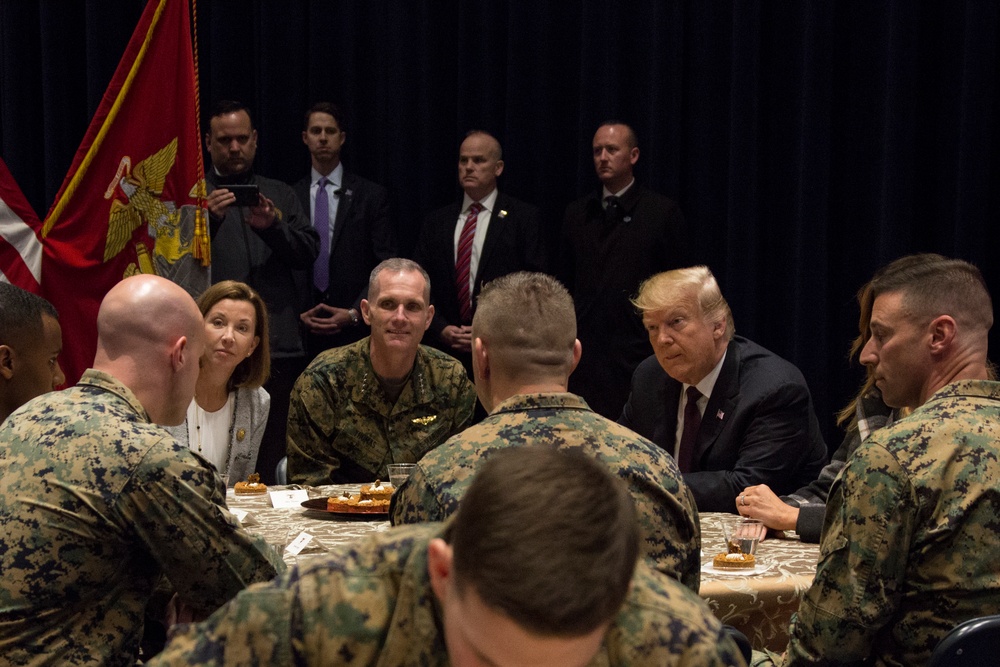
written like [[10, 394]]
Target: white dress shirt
[[705, 387]]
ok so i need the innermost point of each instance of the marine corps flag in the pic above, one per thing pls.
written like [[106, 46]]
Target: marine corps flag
[[131, 200]]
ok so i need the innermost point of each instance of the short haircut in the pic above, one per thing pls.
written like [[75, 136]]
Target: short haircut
[[226, 107], [529, 323], [328, 108], [253, 371], [933, 285], [499, 149], [631, 139], [549, 538], [695, 283], [398, 264], [21, 315]]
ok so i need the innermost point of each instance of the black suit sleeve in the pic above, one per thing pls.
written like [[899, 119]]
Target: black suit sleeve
[[383, 235], [534, 255], [291, 238], [424, 254], [769, 449]]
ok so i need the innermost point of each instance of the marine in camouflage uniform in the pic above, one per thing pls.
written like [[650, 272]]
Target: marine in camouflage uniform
[[665, 507], [96, 504], [372, 603], [342, 426], [910, 542]]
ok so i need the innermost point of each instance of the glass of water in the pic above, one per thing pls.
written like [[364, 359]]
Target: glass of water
[[743, 534], [399, 472]]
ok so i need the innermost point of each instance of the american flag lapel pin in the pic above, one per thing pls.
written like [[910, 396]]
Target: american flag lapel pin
[[720, 415]]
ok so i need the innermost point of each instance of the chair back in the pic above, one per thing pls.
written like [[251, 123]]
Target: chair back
[[974, 642]]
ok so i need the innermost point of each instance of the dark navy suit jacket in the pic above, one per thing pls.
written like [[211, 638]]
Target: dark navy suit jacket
[[759, 426], [363, 236]]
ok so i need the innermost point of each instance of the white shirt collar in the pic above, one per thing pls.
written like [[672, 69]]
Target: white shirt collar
[[336, 177], [488, 202], [707, 383]]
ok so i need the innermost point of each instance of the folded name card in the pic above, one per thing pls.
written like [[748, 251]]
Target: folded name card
[[288, 498], [243, 516], [303, 542]]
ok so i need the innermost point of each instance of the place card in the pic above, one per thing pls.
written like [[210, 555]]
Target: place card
[[300, 542], [288, 498], [243, 516]]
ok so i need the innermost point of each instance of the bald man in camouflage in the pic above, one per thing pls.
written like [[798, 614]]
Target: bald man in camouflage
[[97, 502]]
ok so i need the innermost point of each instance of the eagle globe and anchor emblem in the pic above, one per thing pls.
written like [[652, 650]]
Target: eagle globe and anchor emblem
[[181, 251]]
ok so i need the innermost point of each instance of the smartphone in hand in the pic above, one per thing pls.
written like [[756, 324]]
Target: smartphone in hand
[[246, 195]]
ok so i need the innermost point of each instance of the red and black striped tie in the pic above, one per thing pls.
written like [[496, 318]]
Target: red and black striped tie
[[463, 262]]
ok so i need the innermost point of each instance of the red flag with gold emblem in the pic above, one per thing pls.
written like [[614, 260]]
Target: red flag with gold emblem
[[130, 202]]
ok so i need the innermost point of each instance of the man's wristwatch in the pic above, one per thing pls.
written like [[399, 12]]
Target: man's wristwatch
[[353, 312]]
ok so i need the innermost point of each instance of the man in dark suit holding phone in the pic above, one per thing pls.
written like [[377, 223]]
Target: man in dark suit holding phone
[[265, 246], [485, 235], [351, 217]]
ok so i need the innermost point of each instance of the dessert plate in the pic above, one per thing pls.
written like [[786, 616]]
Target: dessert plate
[[319, 505], [762, 566]]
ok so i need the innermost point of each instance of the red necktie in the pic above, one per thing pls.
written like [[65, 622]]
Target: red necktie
[[689, 436], [463, 262]]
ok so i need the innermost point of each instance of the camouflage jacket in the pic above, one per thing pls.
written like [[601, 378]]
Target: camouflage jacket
[[342, 427], [910, 542], [96, 503], [371, 603], [664, 504]]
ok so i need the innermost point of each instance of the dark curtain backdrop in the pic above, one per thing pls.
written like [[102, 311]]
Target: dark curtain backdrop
[[807, 142]]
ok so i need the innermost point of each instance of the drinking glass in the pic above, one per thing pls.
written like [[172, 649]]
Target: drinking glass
[[743, 533], [399, 472]]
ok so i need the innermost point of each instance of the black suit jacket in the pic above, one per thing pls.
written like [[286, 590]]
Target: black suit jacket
[[758, 428], [363, 236], [513, 243], [602, 261]]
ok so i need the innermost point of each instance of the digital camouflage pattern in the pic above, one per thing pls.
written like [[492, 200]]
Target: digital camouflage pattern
[[96, 503], [372, 603], [665, 507], [911, 537], [342, 427]]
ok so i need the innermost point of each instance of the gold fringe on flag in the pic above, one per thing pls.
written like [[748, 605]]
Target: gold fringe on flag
[[201, 244]]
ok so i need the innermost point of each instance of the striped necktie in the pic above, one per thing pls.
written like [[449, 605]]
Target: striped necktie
[[463, 262]]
